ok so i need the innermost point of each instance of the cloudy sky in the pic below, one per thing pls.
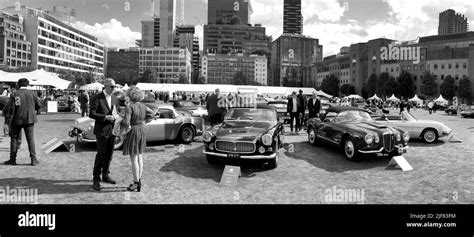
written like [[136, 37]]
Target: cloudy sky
[[335, 23]]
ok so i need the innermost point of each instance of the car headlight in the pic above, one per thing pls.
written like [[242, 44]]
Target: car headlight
[[369, 138], [406, 137], [207, 137], [376, 138], [398, 137], [267, 140]]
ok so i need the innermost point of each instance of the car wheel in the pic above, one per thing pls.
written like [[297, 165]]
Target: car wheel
[[429, 135], [118, 142], [212, 160], [273, 163], [186, 134], [312, 136], [350, 151]]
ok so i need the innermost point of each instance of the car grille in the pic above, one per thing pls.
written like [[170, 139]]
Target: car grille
[[388, 141], [235, 147]]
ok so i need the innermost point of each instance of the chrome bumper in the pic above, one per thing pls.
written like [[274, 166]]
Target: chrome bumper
[[250, 157], [401, 150]]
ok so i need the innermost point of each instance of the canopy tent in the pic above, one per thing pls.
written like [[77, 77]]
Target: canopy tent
[[393, 98], [92, 87], [375, 97], [324, 94], [353, 97], [37, 78], [441, 100], [125, 87], [415, 99]]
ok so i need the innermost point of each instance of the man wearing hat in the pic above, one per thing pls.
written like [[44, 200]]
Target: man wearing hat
[[301, 110]]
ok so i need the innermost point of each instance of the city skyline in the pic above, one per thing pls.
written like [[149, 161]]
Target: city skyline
[[334, 23]]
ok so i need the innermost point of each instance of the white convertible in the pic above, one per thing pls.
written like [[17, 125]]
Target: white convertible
[[428, 130]]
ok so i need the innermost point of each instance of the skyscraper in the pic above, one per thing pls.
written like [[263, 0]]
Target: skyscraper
[[167, 22], [225, 12], [292, 17], [451, 23]]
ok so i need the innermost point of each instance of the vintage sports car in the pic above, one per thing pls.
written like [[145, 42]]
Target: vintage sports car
[[192, 107], [280, 106], [246, 133], [468, 112], [429, 131], [451, 110], [356, 133], [168, 124]]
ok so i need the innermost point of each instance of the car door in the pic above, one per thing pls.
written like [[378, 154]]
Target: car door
[[162, 127], [325, 130]]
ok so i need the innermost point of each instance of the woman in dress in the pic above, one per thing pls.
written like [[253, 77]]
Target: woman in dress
[[135, 140]]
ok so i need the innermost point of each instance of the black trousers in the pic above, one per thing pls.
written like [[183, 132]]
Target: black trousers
[[216, 119], [105, 150], [294, 116], [15, 141]]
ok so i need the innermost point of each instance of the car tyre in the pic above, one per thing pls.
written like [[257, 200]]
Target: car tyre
[[429, 135], [312, 136], [350, 151], [186, 134]]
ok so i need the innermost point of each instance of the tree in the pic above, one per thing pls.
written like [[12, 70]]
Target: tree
[[183, 79], [428, 84], [391, 87], [464, 88], [406, 85], [67, 75], [18, 69], [330, 85], [147, 77], [200, 80], [371, 85], [240, 79], [446, 88], [380, 85], [347, 89]]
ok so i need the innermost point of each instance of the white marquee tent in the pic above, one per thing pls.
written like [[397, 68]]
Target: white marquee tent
[[415, 99], [92, 87], [393, 98], [441, 100], [37, 78], [375, 97]]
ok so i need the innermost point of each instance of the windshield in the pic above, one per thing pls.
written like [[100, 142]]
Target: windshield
[[251, 114], [353, 116], [407, 116]]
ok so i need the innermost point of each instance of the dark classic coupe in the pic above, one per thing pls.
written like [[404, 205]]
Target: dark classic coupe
[[246, 133], [356, 133]]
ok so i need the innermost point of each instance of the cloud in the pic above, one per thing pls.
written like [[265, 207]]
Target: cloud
[[111, 34]]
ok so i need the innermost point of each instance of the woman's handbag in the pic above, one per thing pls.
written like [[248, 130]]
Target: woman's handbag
[[119, 129]]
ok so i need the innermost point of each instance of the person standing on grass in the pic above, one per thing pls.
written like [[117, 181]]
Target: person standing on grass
[[104, 109], [84, 101], [292, 109], [301, 110], [22, 105], [215, 106], [135, 141]]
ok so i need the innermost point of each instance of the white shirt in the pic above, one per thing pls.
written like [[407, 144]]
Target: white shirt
[[109, 99], [295, 105], [314, 101]]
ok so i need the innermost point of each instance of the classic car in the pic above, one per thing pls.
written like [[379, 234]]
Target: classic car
[[280, 106], [246, 133], [356, 133], [192, 107], [168, 124], [429, 131], [468, 112], [451, 110]]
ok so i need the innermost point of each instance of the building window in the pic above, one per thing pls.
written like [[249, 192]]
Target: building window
[[464, 65], [435, 67], [415, 68], [414, 78], [457, 65], [442, 66], [449, 66], [442, 77]]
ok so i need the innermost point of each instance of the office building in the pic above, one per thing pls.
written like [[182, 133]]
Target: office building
[[225, 12], [150, 33], [224, 39], [451, 22], [56, 45], [292, 17], [293, 57], [167, 23], [15, 50], [222, 68], [167, 65]]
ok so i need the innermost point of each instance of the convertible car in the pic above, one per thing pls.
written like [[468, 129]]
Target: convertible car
[[246, 133], [356, 133], [168, 124], [429, 131]]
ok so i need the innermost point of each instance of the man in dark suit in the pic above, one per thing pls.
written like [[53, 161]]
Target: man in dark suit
[[104, 108], [23, 104], [314, 106], [215, 106], [292, 109], [301, 109]]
